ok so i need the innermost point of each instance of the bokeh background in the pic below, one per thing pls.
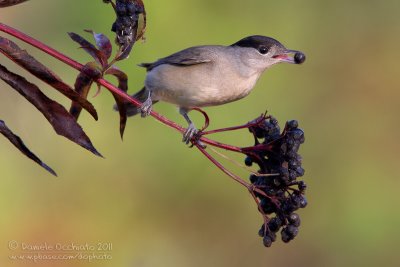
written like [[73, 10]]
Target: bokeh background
[[162, 204]]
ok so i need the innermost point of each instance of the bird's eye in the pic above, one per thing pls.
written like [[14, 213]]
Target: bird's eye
[[263, 50]]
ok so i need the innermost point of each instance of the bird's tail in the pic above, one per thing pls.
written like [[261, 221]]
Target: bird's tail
[[131, 109]]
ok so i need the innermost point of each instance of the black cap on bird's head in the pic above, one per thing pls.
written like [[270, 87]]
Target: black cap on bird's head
[[265, 45]]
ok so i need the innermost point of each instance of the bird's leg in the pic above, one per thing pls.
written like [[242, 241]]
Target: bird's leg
[[146, 106], [191, 129]]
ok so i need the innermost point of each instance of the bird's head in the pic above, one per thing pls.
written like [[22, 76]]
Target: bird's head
[[261, 52]]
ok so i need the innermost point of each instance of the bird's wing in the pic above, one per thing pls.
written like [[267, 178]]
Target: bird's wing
[[187, 57]]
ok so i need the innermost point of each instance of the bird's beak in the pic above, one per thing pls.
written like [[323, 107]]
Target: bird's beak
[[290, 56]]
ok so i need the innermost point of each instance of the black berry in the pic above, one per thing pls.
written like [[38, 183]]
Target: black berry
[[299, 58]]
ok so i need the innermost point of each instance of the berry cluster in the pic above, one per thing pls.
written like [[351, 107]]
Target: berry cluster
[[125, 26], [276, 154]]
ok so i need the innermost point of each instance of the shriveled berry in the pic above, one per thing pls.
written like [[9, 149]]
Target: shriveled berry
[[302, 186], [120, 8]]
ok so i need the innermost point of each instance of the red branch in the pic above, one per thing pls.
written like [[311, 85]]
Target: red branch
[[76, 65]]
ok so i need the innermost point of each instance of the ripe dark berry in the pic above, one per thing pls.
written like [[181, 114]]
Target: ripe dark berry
[[299, 58], [297, 134], [300, 171], [267, 206], [294, 219], [274, 121], [272, 235], [275, 224], [292, 230], [293, 124], [267, 241], [248, 161], [253, 178], [285, 236], [293, 164], [303, 202], [292, 175]]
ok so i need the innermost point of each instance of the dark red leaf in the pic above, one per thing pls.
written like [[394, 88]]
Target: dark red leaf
[[6, 3], [89, 48], [63, 123], [121, 103], [103, 43], [82, 86], [83, 83], [18, 143], [124, 51], [26, 61]]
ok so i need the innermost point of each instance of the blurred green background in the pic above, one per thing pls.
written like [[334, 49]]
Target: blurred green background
[[162, 204]]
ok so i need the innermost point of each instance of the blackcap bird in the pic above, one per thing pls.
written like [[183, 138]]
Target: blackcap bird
[[209, 75]]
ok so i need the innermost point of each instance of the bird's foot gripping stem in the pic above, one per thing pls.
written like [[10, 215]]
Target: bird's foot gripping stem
[[192, 134], [146, 107]]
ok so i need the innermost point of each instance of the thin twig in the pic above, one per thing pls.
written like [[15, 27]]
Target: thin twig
[[244, 167], [244, 126]]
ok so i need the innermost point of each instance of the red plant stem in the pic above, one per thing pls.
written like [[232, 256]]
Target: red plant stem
[[78, 66], [252, 188], [222, 168], [244, 126]]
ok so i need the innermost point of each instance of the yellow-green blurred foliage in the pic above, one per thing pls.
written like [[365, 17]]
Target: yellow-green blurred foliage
[[162, 204]]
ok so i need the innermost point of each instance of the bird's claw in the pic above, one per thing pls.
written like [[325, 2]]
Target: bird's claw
[[192, 134], [146, 107]]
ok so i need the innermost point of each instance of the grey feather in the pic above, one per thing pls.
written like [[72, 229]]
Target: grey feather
[[190, 56]]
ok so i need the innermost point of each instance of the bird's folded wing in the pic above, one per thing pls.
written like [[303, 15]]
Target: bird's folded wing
[[187, 57]]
